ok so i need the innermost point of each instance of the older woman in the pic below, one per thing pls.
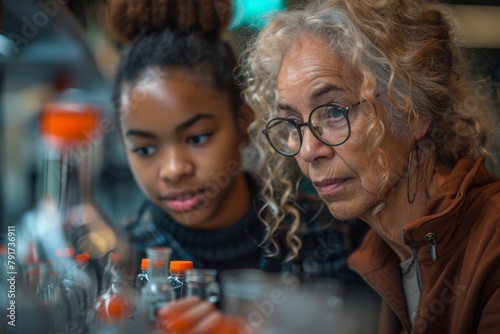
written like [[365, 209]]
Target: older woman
[[371, 100]]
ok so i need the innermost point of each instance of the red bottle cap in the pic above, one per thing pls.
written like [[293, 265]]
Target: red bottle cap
[[68, 122], [145, 264], [83, 257], [181, 265]]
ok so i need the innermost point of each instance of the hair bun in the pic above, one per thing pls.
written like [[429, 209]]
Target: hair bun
[[128, 18]]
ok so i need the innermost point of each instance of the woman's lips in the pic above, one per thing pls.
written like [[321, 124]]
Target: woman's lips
[[183, 202], [329, 186]]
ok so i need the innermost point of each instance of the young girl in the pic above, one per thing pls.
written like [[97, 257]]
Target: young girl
[[183, 125]]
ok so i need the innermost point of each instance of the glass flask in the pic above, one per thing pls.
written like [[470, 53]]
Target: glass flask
[[142, 278], [63, 216], [157, 293], [178, 270], [202, 283]]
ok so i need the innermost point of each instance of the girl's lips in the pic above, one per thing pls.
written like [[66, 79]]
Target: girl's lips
[[183, 202]]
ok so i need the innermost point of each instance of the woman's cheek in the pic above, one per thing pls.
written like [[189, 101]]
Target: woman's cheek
[[303, 166]]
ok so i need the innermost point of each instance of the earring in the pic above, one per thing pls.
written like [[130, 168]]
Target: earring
[[410, 158]]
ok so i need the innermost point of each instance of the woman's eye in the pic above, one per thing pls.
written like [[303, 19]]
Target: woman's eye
[[335, 112], [290, 125], [330, 116], [294, 120], [198, 139], [145, 150]]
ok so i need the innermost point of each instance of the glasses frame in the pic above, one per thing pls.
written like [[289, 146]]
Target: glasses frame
[[298, 126]]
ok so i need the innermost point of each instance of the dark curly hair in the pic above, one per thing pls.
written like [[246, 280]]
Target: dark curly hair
[[173, 35]]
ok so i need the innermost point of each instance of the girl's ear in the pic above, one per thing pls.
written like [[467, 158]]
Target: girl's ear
[[245, 117]]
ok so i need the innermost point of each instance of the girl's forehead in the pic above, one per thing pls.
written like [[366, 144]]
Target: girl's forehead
[[172, 99], [162, 85]]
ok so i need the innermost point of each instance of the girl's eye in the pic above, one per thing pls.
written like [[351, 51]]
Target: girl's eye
[[145, 150], [198, 139]]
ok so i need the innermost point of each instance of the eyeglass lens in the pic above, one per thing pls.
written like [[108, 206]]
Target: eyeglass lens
[[328, 123]]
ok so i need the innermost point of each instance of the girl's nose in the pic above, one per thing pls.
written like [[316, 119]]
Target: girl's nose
[[175, 165]]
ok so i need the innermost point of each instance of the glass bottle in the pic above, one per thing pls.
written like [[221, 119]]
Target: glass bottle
[[112, 269], [177, 276], [115, 309], [53, 292], [142, 278], [202, 283], [117, 303], [74, 130], [82, 266], [70, 136], [77, 287], [61, 216], [157, 293]]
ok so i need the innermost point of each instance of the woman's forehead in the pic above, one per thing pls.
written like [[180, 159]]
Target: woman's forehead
[[313, 69]]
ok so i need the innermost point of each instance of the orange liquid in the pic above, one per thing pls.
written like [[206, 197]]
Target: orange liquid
[[114, 307]]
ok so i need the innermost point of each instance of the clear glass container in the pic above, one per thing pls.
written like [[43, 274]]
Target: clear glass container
[[50, 278], [178, 269], [70, 130], [202, 283], [142, 278], [117, 303], [157, 293]]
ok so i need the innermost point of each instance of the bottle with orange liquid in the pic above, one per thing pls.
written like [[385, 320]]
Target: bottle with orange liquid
[[117, 304], [115, 307]]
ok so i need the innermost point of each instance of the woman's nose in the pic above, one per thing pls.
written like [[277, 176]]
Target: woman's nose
[[312, 149], [175, 165]]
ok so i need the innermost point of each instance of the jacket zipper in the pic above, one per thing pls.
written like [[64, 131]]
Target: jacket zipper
[[430, 237], [419, 284]]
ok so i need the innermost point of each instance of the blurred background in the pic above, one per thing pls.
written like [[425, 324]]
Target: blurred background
[[60, 49]]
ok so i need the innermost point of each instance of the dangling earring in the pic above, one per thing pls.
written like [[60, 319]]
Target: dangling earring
[[410, 158]]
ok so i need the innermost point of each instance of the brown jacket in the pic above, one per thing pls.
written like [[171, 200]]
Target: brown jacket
[[460, 290]]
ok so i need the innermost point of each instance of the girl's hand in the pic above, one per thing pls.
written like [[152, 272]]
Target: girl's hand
[[191, 315]]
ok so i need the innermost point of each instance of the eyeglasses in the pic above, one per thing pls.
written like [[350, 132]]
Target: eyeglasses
[[329, 123]]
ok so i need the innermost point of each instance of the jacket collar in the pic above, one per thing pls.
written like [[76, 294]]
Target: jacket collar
[[443, 213]]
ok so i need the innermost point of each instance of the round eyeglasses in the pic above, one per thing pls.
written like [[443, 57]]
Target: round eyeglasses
[[329, 123]]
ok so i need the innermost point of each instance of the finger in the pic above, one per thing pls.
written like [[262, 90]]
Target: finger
[[211, 323], [189, 318], [173, 310]]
